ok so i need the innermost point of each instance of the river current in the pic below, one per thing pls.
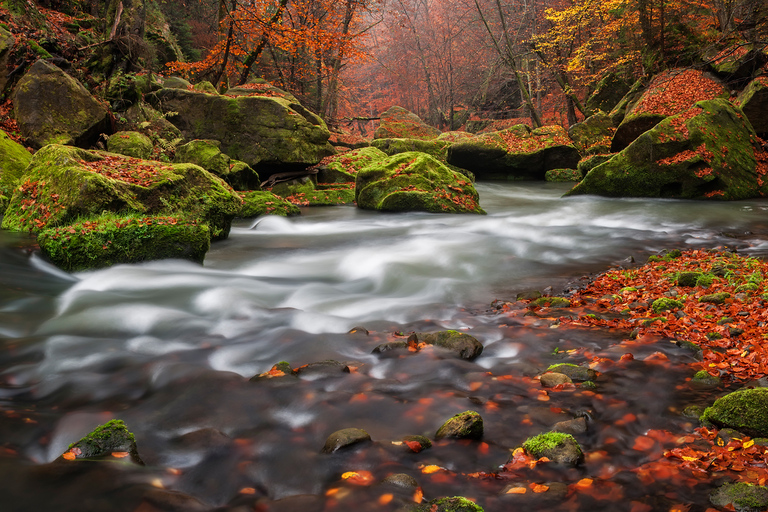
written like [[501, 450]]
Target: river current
[[169, 346]]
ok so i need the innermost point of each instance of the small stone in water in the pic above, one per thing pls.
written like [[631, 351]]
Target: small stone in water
[[465, 425], [552, 379], [417, 443], [574, 426], [344, 438], [401, 480], [576, 373]]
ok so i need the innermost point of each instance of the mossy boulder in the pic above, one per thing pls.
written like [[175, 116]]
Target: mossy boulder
[[51, 107], [703, 380], [176, 82], [271, 134], [112, 439], [14, 158], [6, 43], [745, 410], [64, 184], [516, 153], [207, 154], [736, 64], [619, 111], [111, 239], [558, 447], [398, 122], [129, 143], [435, 148], [561, 175], [261, 202], [683, 157], [343, 168], [754, 103], [588, 163], [460, 343], [454, 136], [669, 93], [464, 425], [593, 135], [415, 182], [260, 87], [744, 497], [608, 92]]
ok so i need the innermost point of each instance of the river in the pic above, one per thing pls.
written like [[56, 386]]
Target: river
[[169, 346]]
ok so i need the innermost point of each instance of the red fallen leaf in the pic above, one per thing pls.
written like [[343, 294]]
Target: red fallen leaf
[[643, 443], [414, 446]]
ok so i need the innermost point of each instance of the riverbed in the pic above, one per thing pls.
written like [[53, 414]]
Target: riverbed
[[169, 347]]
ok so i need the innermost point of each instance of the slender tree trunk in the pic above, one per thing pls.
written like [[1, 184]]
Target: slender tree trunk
[[256, 53], [227, 46], [332, 103]]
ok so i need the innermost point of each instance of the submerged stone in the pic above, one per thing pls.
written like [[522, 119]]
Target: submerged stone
[[557, 447], [464, 425], [345, 438]]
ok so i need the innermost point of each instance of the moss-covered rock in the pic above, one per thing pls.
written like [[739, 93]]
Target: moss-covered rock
[[451, 504], [703, 380], [176, 82], [562, 175], [557, 447], [618, 112], [261, 202], [392, 146], [398, 122], [745, 410], [669, 93], [112, 439], [129, 143], [110, 239], [64, 184], [593, 135], [608, 93], [454, 136], [271, 134], [14, 158], [588, 163], [260, 87], [753, 101], [665, 304], [516, 153], [736, 64], [683, 157], [575, 372], [51, 107], [343, 168], [415, 182], [206, 87], [460, 343], [744, 497], [6, 43], [207, 154], [464, 425]]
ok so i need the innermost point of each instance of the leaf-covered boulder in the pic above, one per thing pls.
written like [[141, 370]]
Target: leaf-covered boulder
[[745, 410], [111, 239], [415, 182], [343, 168], [593, 135], [51, 107], [269, 133], [392, 146], [668, 94], [516, 153], [129, 143], [705, 152], [112, 439], [63, 184], [754, 103], [400, 123], [14, 158], [738, 63], [207, 154]]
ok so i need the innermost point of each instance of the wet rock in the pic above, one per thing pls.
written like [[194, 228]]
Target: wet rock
[[462, 344], [691, 348], [465, 425], [281, 369], [557, 447], [745, 410], [693, 411], [528, 295], [743, 496], [452, 504], [300, 502], [329, 368], [416, 444], [401, 480], [703, 380], [390, 347], [552, 379], [551, 302], [110, 439], [574, 372], [357, 329], [574, 426], [726, 435], [344, 438]]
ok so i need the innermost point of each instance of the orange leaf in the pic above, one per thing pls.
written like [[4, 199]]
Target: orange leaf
[[643, 443], [69, 456], [584, 483], [517, 490], [120, 455]]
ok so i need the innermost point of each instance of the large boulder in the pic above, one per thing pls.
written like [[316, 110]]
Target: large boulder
[[207, 154], [6, 43], [63, 184], [705, 152], [737, 64], [269, 133], [754, 103], [51, 107], [516, 153], [129, 143], [745, 410], [608, 93], [399, 123], [415, 182], [593, 135], [435, 148], [14, 158], [668, 94], [343, 168]]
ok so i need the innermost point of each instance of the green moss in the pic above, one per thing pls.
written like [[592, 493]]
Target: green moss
[[552, 302], [15, 159], [452, 504], [105, 439], [343, 168], [561, 175], [111, 239], [744, 497], [715, 298], [464, 425], [702, 378], [745, 410], [133, 144], [575, 372], [543, 443], [665, 304], [258, 202], [748, 287], [705, 280]]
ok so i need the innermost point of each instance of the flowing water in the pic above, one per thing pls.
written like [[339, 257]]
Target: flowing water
[[169, 346]]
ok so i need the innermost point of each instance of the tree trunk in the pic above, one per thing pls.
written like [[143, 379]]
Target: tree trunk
[[332, 103], [256, 53]]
